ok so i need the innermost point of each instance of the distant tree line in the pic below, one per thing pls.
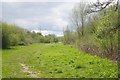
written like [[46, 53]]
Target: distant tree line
[[13, 35], [95, 33]]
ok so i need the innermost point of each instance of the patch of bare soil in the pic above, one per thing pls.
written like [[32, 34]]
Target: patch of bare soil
[[29, 73]]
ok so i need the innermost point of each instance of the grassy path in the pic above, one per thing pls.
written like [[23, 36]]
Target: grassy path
[[54, 60]]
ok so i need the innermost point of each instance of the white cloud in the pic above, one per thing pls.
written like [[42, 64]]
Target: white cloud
[[58, 17], [46, 32], [51, 16], [24, 23]]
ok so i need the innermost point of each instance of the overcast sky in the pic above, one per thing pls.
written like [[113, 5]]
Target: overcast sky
[[49, 16]]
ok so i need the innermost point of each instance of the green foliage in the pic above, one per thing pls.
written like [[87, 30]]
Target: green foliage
[[5, 35], [69, 36], [13, 35], [107, 31], [100, 34], [0, 36], [14, 39], [51, 38], [56, 61]]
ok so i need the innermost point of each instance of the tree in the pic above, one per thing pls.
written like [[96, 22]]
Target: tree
[[99, 6], [107, 31], [97, 32], [78, 17], [67, 36], [5, 36]]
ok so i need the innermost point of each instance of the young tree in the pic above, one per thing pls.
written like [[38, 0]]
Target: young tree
[[67, 36]]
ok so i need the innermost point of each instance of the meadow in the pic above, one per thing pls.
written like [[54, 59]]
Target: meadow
[[54, 60]]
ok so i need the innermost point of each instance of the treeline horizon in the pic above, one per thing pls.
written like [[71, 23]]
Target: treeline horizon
[[13, 35]]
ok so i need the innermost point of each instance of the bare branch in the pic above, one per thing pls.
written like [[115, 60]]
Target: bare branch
[[98, 6]]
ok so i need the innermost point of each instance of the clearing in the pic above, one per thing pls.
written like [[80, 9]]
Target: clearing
[[54, 61]]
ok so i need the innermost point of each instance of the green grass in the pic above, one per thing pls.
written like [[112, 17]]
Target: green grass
[[55, 61], [0, 64]]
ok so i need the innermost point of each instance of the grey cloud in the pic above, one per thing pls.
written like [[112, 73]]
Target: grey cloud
[[32, 15]]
